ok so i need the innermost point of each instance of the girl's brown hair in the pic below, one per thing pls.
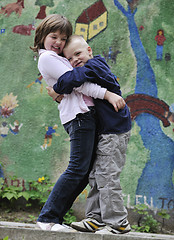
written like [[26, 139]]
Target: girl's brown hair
[[51, 23]]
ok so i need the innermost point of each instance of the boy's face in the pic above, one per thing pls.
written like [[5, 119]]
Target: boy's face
[[55, 41], [77, 53]]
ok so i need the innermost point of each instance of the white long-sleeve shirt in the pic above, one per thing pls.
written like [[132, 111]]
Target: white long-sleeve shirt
[[51, 67]]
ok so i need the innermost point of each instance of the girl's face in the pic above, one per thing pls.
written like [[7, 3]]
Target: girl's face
[[55, 41]]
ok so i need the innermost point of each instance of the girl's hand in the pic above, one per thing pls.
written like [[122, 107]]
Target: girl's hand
[[55, 96], [116, 100]]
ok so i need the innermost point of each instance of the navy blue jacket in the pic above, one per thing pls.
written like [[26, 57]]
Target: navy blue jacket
[[96, 70]]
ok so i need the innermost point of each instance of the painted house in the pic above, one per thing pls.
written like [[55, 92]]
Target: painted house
[[92, 21]]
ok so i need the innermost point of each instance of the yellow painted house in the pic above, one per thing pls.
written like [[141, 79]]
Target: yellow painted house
[[92, 21]]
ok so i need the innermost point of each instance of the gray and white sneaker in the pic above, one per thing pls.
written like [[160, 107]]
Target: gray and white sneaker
[[124, 228], [88, 225]]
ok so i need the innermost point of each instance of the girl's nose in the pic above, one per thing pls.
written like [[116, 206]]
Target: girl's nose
[[58, 41]]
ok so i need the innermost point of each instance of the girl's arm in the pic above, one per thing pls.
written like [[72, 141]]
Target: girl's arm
[[91, 90], [96, 91], [52, 66], [88, 89], [116, 100]]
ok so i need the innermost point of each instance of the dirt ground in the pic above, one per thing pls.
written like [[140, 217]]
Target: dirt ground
[[23, 216]]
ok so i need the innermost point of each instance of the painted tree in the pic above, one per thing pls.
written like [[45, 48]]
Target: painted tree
[[43, 4], [156, 179]]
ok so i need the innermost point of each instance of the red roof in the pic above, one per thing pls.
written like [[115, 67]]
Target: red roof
[[92, 12]]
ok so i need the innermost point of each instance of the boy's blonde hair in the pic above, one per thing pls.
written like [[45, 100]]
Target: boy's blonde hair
[[76, 37], [51, 23]]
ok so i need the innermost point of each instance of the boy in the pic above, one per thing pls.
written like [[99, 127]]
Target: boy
[[105, 211]]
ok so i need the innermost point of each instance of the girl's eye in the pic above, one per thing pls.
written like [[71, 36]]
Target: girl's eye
[[78, 53]]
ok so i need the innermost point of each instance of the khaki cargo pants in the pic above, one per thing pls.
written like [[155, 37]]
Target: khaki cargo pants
[[105, 201]]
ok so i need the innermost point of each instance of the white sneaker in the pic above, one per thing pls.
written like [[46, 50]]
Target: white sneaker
[[55, 227], [45, 226], [62, 228]]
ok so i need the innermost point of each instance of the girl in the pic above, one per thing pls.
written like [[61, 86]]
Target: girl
[[77, 115]]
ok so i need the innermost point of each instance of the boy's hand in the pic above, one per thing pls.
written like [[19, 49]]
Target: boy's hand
[[55, 96], [116, 100]]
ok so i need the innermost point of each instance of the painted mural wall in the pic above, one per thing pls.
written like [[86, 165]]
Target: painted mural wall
[[136, 38]]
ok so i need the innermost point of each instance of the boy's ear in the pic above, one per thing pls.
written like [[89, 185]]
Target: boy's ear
[[89, 50]]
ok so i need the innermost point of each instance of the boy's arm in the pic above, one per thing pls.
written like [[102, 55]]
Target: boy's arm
[[93, 71], [76, 77], [70, 80]]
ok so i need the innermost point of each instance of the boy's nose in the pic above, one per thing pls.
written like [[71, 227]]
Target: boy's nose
[[75, 59]]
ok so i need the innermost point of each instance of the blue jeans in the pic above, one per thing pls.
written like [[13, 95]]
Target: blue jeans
[[159, 52], [75, 178]]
